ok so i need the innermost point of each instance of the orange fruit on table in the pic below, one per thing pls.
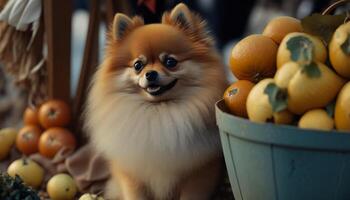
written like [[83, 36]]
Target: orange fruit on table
[[254, 58], [54, 113], [236, 95], [279, 27], [30, 116], [27, 139], [53, 139]]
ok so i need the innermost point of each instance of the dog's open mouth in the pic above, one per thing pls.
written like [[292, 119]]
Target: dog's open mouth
[[155, 89]]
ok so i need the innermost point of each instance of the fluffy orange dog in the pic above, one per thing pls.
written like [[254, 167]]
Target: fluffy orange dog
[[151, 108]]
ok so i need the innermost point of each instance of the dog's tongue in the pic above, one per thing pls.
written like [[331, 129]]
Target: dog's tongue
[[153, 88]]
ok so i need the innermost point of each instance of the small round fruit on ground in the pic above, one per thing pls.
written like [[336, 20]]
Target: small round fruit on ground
[[316, 119], [9, 134], [61, 187], [30, 172], [88, 196], [279, 27], [236, 95], [53, 139], [7, 139], [342, 109], [54, 113], [259, 108], [339, 50], [254, 58], [300, 47], [28, 139], [30, 116]]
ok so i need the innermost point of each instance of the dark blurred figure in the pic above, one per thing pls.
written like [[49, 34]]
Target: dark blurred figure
[[227, 19]]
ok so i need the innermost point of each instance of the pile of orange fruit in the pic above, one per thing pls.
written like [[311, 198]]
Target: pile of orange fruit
[[45, 131], [288, 76]]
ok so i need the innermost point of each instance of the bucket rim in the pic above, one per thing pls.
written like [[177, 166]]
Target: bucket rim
[[280, 135]]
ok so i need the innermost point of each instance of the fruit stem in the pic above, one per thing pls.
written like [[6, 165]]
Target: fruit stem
[[257, 77], [24, 160], [334, 6], [52, 113]]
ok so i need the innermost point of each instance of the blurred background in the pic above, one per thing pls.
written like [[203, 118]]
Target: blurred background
[[228, 21]]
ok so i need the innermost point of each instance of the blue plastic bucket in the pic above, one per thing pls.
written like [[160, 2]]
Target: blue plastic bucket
[[277, 162]]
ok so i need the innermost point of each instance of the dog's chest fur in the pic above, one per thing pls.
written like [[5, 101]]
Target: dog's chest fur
[[155, 138]]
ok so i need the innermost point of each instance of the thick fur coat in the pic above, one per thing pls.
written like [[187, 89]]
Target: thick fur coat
[[158, 133]]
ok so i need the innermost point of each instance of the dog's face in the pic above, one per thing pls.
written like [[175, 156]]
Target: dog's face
[[159, 56], [158, 61]]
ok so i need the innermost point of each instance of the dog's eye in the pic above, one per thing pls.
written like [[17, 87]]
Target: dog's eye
[[138, 65], [170, 62]]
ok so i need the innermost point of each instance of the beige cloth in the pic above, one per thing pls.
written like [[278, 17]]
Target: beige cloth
[[88, 169]]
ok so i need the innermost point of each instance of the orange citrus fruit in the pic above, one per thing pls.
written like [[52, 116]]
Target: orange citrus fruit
[[236, 95], [254, 58], [30, 116], [279, 27]]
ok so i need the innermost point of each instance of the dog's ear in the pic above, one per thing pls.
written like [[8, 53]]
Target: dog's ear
[[121, 24], [182, 16]]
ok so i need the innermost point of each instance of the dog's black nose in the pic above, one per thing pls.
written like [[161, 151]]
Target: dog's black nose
[[151, 75]]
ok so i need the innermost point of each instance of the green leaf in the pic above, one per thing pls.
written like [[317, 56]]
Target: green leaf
[[15, 189], [277, 97], [322, 25], [311, 70], [301, 48], [346, 46], [330, 109]]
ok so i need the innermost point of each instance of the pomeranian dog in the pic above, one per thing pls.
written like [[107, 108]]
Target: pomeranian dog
[[150, 109]]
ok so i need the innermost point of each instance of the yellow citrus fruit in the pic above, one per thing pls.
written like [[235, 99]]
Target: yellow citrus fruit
[[316, 119], [339, 50], [309, 86], [61, 187], [279, 27], [30, 172], [259, 108], [342, 109], [236, 95], [300, 47], [90, 197], [254, 58], [10, 133], [7, 139], [286, 73]]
